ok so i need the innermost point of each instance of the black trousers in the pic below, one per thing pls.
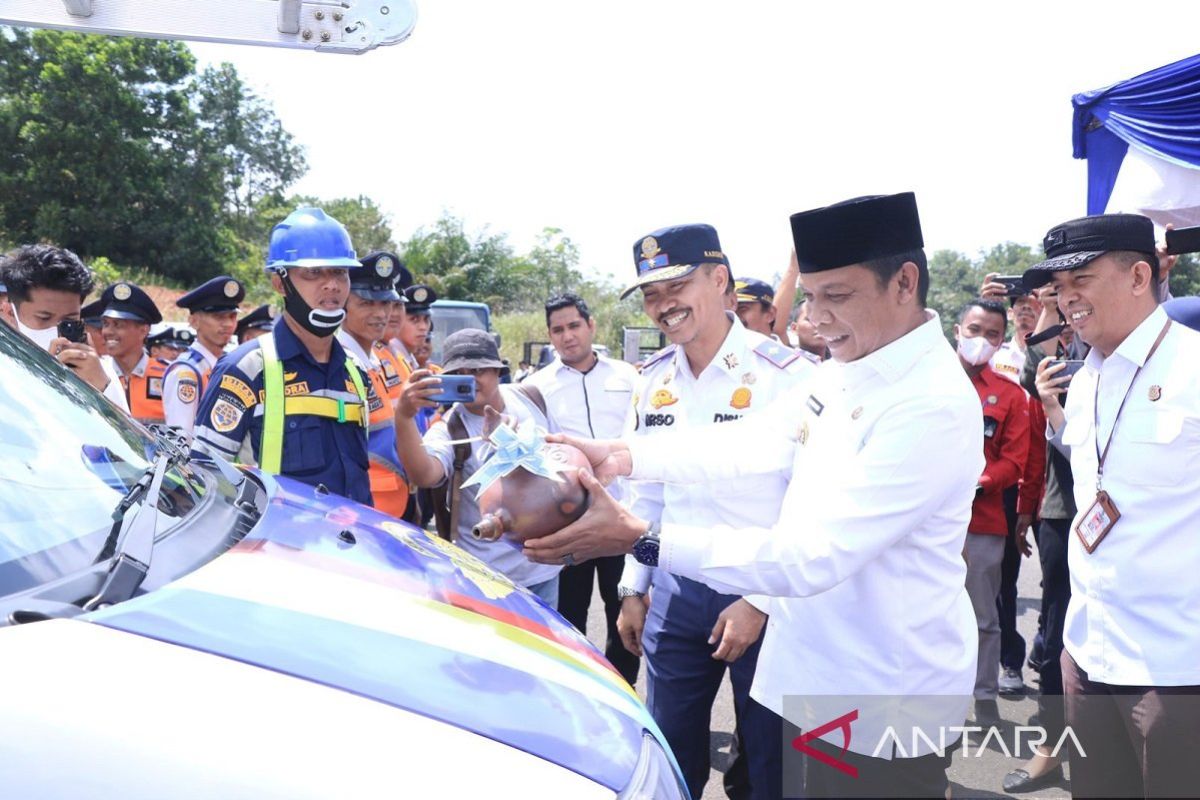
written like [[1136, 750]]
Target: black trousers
[[1052, 538], [1012, 644], [575, 596]]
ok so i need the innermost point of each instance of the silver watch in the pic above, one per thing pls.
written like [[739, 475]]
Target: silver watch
[[628, 591]]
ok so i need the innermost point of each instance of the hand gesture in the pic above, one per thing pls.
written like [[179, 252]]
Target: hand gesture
[[738, 627], [83, 359], [609, 457], [419, 387], [605, 529]]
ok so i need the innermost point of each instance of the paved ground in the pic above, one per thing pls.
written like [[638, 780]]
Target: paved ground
[[978, 776]]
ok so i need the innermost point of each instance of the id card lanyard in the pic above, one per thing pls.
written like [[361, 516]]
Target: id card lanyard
[[1103, 513]]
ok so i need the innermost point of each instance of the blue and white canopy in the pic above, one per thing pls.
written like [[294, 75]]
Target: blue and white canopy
[[1141, 139]]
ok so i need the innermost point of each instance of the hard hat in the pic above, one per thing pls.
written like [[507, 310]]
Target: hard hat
[[310, 238]]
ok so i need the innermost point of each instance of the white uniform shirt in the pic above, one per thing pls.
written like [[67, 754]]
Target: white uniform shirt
[[597, 404], [501, 555], [1009, 361], [748, 372], [180, 404], [865, 565], [115, 391], [1134, 615]]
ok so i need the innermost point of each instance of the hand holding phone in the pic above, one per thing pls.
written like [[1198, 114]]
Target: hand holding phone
[[73, 330], [455, 389], [1070, 367]]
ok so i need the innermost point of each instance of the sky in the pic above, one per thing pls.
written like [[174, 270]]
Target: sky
[[609, 120]]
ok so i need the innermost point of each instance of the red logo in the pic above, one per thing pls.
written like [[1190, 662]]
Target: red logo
[[843, 722]]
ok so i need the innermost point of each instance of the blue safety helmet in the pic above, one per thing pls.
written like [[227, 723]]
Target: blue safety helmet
[[310, 238]]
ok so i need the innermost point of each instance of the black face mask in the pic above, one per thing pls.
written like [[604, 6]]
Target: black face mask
[[317, 322]]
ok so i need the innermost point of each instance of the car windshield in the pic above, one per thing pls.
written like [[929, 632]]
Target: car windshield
[[448, 319], [67, 457]]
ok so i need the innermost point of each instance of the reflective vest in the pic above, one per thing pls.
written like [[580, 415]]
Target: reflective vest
[[145, 392], [276, 406], [389, 488]]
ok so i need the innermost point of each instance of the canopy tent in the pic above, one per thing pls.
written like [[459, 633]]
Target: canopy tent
[[1141, 139]]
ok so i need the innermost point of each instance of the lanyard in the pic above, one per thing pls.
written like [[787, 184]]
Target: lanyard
[[1100, 456]]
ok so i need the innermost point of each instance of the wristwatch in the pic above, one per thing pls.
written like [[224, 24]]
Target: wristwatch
[[645, 549], [628, 591]]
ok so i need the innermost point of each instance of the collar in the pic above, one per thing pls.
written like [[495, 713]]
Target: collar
[[558, 365], [351, 346], [988, 377], [896, 359], [288, 346], [207, 354], [731, 356], [1136, 346]]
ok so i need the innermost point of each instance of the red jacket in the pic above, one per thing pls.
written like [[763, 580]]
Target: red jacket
[[1005, 448], [1033, 482]]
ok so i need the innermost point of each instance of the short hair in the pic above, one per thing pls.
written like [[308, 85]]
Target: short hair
[[44, 266], [566, 300], [730, 289], [886, 268], [1127, 258], [987, 304]]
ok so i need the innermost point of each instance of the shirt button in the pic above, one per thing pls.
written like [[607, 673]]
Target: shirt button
[[292, 425]]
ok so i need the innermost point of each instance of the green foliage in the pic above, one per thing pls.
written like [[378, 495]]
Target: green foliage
[[955, 278], [1185, 276]]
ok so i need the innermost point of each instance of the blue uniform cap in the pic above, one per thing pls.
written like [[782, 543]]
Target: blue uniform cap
[[222, 293], [752, 290], [93, 314], [418, 298], [261, 318], [125, 300], [671, 253], [379, 276]]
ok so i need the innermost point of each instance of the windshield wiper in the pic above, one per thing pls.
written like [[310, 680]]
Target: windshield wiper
[[131, 561]]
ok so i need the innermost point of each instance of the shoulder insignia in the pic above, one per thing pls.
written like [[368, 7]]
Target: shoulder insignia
[[238, 388], [777, 354], [658, 357]]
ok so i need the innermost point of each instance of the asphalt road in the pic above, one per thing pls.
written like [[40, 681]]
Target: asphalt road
[[976, 776]]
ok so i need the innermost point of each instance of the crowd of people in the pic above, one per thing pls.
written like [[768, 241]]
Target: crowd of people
[[818, 498]]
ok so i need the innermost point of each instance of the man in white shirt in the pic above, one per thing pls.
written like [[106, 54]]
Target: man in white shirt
[[1131, 665], [871, 629], [46, 285], [590, 396], [213, 311]]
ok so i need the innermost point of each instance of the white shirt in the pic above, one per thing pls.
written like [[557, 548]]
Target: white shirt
[[1009, 361], [180, 403], [748, 372], [1134, 615], [501, 555], [865, 565], [597, 404]]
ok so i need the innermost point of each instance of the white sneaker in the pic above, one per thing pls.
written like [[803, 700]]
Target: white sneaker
[[1011, 681]]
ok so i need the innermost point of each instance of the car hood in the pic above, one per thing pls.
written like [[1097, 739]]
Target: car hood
[[339, 594]]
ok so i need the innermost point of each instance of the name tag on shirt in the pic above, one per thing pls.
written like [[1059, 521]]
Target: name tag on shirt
[[1097, 521]]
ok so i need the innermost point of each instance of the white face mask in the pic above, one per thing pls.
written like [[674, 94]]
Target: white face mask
[[41, 338], [975, 350]]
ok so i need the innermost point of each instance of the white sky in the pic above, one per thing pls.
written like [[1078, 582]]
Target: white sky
[[611, 119]]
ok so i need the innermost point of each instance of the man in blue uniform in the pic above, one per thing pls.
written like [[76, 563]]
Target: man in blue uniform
[[295, 394]]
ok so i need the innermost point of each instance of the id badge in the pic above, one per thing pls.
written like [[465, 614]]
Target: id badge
[[1097, 522]]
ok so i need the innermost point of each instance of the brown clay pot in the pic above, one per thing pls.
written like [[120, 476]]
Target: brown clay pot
[[522, 506]]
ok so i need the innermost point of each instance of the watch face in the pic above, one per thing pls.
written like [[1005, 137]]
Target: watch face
[[645, 550]]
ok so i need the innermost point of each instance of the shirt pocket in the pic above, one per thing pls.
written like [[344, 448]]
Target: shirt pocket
[[1152, 449], [303, 445]]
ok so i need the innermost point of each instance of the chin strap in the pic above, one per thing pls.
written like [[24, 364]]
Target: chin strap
[[315, 321]]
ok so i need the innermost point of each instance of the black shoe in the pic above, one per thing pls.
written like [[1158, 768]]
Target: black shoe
[[1019, 781], [987, 712]]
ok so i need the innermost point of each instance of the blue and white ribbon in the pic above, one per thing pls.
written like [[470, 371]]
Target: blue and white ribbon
[[520, 447]]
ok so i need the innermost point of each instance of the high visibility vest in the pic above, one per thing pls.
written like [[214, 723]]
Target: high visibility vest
[[389, 488], [276, 406], [145, 392]]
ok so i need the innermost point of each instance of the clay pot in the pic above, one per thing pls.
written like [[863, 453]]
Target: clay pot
[[522, 506]]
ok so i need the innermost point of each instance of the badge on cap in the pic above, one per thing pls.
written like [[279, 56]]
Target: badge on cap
[[420, 295], [740, 399], [122, 291], [384, 266], [649, 247], [231, 289], [1155, 392]]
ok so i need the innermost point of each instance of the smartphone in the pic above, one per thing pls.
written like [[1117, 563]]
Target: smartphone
[[72, 330], [1183, 240], [1014, 285], [1072, 367], [455, 389]]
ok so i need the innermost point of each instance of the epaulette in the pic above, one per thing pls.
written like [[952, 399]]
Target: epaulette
[[780, 355], [661, 355]]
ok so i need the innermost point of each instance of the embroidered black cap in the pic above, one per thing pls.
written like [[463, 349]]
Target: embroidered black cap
[[1073, 244], [752, 290]]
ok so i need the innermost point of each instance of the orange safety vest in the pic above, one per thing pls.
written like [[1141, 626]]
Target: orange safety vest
[[144, 392], [389, 489], [395, 372]]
